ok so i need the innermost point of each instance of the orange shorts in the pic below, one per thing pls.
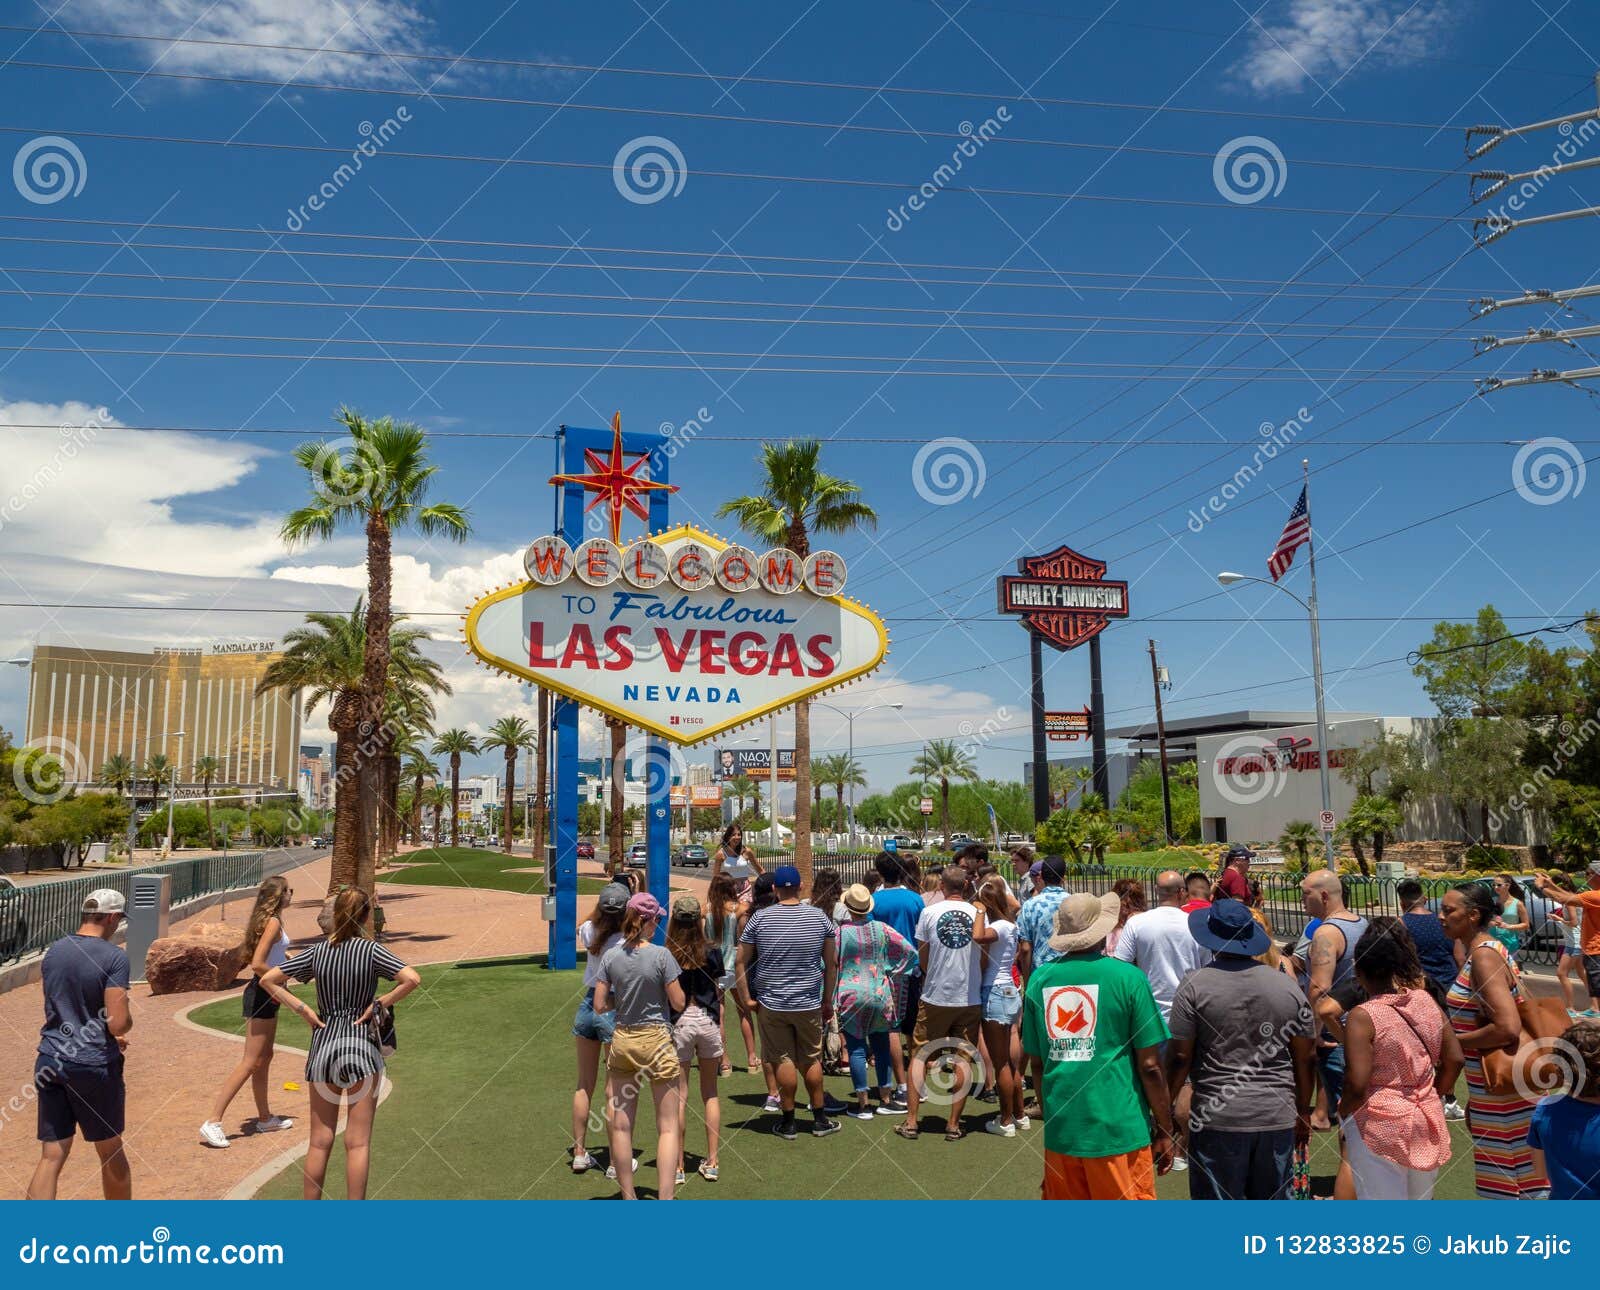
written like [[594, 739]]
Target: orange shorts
[[1130, 1176]]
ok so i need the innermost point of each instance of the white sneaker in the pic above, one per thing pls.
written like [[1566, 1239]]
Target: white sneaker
[[212, 1134], [678, 1180], [1454, 1111], [611, 1170], [1023, 1123], [999, 1130], [1179, 1165], [273, 1123], [582, 1162]]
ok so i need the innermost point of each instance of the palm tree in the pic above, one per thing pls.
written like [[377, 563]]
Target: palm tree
[[453, 743], [418, 768], [156, 768], [206, 770], [323, 661], [436, 797], [380, 481], [1299, 839], [511, 735], [796, 500], [118, 772], [842, 771], [944, 760], [1098, 835], [1370, 817], [742, 786]]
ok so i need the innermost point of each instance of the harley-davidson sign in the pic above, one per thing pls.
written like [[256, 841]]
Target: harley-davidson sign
[[680, 634], [1063, 597]]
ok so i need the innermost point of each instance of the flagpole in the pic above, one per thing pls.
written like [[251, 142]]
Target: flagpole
[[1316, 671]]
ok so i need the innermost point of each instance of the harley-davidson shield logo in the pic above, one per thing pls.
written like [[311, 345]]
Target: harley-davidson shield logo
[[1062, 597]]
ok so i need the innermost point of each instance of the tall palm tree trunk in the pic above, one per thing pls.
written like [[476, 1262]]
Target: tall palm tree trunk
[[416, 809], [944, 808], [455, 799], [541, 778], [375, 675], [346, 800], [437, 812], [619, 740], [511, 784]]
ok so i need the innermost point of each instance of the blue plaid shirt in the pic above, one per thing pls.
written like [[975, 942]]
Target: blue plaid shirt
[[1036, 923]]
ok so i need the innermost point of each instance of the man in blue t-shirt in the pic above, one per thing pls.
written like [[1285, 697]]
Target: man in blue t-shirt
[[78, 1072], [899, 907]]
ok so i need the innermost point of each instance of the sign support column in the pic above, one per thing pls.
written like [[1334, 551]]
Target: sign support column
[[1097, 721], [1041, 761]]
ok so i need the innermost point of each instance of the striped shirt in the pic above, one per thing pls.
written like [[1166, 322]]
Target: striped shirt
[[788, 941], [346, 973]]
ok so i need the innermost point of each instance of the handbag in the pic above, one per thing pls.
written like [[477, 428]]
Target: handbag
[[380, 1029], [1532, 1066]]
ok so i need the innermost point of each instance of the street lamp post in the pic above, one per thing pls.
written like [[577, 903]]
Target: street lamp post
[[850, 727], [172, 788], [1310, 606]]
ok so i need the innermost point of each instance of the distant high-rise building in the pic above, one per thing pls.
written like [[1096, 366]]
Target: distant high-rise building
[[694, 775], [87, 705]]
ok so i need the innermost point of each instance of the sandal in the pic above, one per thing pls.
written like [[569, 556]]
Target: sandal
[[909, 1132], [708, 1172], [955, 1134], [724, 1071]]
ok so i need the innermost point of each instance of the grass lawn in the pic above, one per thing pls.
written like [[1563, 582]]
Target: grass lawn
[[471, 867], [482, 1102]]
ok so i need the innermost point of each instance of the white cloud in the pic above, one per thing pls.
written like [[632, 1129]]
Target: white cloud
[[1318, 41]]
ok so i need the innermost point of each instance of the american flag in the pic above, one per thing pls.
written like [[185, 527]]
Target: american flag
[[1296, 533]]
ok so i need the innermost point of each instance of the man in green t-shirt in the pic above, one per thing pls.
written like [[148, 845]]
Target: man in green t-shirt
[[1094, 1023]]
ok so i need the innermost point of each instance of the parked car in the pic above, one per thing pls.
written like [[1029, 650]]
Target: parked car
[[586, 850], [905, 842], [639, 856], [13, 922], [693, 855], [959, 840], [1014, 840]]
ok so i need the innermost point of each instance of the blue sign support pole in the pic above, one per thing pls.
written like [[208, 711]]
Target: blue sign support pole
[[571, 441]]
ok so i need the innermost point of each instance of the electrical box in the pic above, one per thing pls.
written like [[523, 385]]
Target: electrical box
[[149, 914]]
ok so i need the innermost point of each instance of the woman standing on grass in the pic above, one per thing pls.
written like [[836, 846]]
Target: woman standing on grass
[[345, 1068], [1002, 1004], [269, 946], [1482, 1005], [873, 958], [639, 982], [724, 921], [1401, 1058], [697, 1030], [591, 1029]]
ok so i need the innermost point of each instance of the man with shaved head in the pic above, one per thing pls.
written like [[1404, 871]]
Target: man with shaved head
[[1159, 942], [1330, 961]]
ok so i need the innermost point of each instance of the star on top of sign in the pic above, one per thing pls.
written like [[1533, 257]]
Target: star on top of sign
[[615, 481]]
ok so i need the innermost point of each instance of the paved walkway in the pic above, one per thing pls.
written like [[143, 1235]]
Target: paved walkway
[[174, 1067]]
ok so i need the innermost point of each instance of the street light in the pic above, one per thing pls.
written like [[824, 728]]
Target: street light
[[172, 789], [850, 724], [1310, 606]]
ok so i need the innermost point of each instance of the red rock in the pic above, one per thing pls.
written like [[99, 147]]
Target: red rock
[[207, 956]]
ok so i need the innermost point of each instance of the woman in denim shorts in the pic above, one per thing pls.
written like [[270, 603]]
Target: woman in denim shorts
[[591, 1029], [1002, 1004]]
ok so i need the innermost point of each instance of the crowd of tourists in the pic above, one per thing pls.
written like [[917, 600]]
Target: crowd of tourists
[[1136, 1032]]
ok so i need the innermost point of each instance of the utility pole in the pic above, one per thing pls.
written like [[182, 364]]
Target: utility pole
[[1157, 681]]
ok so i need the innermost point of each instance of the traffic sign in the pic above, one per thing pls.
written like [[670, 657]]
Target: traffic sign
[[1327, 821], [926, 806]]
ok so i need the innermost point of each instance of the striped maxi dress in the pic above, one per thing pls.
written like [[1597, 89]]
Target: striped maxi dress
[[1499, 1121]]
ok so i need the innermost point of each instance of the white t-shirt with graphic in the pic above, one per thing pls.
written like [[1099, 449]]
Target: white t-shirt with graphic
[[955, 961]]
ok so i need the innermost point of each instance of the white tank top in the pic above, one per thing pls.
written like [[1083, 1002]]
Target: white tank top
[[278, 955]]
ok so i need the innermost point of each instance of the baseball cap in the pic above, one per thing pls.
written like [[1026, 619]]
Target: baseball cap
[[1053, 869], [1036, 868], [645, 905], [613, 898], [786, 875], [1238, 851], [686, 907], [105, 901]]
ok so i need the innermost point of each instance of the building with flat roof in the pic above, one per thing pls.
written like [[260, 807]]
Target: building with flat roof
[[88, 705]]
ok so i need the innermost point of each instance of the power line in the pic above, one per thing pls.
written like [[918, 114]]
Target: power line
[[758, 176]]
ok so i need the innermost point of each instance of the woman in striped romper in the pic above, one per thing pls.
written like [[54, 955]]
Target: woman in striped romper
[[345, 1067], [1483, 1012]]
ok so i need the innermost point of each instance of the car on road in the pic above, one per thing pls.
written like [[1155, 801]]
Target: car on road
[[959, 840], [639, 856], [905, 842], [13, 922], [692, 855], [321, 841], [586, 850]]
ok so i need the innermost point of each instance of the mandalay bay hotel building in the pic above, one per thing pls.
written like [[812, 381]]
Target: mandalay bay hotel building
[[87, 705]]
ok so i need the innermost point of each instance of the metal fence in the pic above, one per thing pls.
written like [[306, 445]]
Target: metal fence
[[1280, 896], [32, 917]]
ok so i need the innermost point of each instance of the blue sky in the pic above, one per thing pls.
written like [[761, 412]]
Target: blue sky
[[1083, 304]]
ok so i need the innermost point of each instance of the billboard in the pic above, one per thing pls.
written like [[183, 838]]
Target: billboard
[[697, 795], [754, 762]]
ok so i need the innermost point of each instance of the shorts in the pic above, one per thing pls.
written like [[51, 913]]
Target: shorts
[[589, 1024], [911, 996], [1001, 1003], [73, 1098], [1591, 973], [791, 1036], [644, 1050], [935, 1022], [258, 1004], [696, 1035], [1129, 1176]]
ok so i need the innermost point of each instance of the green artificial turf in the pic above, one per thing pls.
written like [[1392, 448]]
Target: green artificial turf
[[482, 1102], [471, 867]]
